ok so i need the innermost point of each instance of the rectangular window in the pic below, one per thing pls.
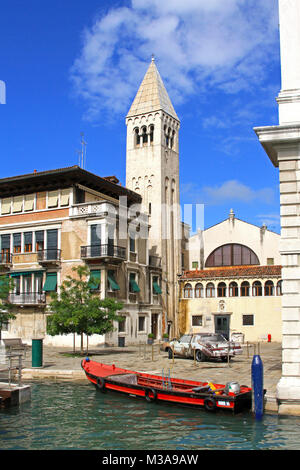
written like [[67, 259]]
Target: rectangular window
[[156, 287], [122, 325], [195, 265], [141, 323], [27, 286], [52, 244], [6, 206], [39, 240], [112, 283], [133, 287], [51, 282], [132, 244], [18, 204], [197, 320], [64, 197], [17, 242], [29, 202], [248, 320], [94, 282], [52, 199], [270, 261], [27, 242], [17, 282], [5, 248]]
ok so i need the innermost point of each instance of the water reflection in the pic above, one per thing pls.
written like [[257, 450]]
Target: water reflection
[[72, 416]]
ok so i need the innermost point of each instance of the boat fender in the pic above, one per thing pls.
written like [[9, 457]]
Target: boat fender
[[101, 384], [147, 394], [210, 404]]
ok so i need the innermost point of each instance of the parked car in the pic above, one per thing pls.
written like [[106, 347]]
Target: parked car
[[205, 346]]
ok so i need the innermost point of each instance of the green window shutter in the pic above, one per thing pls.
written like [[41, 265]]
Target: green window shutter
[[51, 282], [112, 282], [133, 284], [95, 277], [156, 288]]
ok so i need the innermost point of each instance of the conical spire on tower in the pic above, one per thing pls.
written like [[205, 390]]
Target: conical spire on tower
[[152, 95]]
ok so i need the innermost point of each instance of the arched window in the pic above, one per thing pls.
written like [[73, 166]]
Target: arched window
[[144, 135], [210, 290], [245, 289], [137, 137], [269, 288], [188, 291], [172, 139], [151, 133], [256, 289], [222, 289], [198, 290], [279, 288], [233, 289], [231, 254]]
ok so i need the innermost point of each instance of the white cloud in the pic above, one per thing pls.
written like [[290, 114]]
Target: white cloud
[[198, 44], [230, 191]]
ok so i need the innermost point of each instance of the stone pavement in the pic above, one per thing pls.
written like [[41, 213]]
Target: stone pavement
[[60, 364]]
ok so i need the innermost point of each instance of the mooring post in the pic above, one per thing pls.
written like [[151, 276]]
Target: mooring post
[[257, 386]]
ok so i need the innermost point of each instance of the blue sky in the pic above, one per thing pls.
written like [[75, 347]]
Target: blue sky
[[72, 66]]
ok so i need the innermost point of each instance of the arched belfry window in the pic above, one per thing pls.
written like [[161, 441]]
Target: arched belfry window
[[137, 138], [151, 133], [232, 254], [144, 135]]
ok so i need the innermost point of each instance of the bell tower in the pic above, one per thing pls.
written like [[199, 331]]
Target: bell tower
[[152, 170]]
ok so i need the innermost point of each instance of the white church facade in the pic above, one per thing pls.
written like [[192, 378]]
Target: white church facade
[[233, 285]]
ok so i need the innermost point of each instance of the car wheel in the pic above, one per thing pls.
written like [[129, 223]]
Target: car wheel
[[200, 357], [225, 358]]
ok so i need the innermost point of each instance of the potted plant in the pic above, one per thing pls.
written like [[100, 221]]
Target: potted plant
[[165, 337], [150, 338]]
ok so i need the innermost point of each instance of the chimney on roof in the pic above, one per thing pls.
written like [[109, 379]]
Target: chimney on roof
[[34, 171]]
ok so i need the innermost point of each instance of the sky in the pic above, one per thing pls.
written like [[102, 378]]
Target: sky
[[70, 67]]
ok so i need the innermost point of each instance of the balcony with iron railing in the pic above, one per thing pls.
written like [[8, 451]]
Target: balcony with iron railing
[[27, 298], [92, 252], [49, 256]]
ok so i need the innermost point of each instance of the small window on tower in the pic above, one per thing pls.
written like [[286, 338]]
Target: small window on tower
[[137, 137], [144, 135], [151, 133]]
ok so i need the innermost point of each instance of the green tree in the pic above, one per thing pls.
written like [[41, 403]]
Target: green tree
[[6, 314], [78, 310]]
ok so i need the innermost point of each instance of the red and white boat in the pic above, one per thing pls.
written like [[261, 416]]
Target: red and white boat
[[155, 388]]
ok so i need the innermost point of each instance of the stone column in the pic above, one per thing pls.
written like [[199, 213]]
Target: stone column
[[282, 144]]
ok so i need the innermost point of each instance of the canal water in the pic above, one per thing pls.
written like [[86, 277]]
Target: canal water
[[62, 416]]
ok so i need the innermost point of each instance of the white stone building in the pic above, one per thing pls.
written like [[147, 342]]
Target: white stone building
[[234, 282]]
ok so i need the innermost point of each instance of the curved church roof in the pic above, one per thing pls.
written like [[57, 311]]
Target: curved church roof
[[152, 95]]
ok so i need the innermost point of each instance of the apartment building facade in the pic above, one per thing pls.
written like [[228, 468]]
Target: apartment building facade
[[54, 220]]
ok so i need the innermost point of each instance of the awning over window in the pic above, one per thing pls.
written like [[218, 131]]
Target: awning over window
[[94, 281], [51, 282], [134, 286], [156, 288], [25, 273], [112, 282]]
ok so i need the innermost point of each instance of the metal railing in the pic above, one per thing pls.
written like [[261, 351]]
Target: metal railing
[[101, 251], [51, 254], [27, 298]]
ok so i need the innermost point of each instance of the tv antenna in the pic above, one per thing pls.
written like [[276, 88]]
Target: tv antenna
[[82, 152]]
